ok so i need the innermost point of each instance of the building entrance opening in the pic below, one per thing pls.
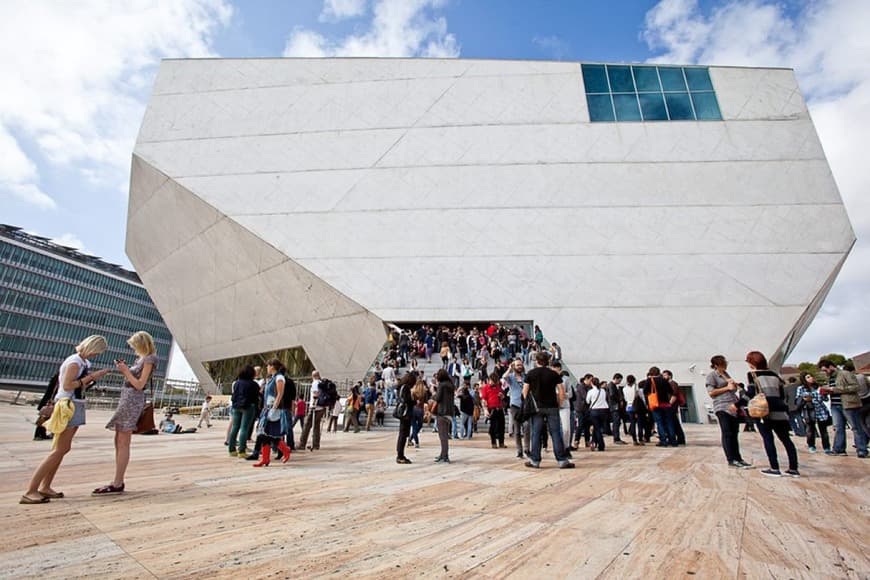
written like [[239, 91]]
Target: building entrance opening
[[224, 371], [469, 350]]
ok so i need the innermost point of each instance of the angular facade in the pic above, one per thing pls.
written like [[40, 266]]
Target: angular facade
[[285, 202]]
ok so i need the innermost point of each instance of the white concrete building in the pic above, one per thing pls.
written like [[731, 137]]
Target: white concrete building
[[285, 202]]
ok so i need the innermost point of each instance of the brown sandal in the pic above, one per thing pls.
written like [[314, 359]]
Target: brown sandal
[[51, 494], [108, 490], [29, 500]]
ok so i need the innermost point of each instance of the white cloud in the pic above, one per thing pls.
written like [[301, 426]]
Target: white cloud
[[18, 175], [341, 9], [307, 43], [827, 45], [74, 88], [398, 28], [30, 194]]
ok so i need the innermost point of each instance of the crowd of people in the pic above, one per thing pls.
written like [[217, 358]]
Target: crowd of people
[[487, 370], [482, 374]]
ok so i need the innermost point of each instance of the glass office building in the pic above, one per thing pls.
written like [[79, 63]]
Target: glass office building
[[52, 296]]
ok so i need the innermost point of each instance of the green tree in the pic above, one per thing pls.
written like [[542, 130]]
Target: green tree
[[809, 368], [835, 358]]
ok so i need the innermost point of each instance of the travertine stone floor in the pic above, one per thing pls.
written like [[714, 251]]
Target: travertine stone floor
[[350, 510]]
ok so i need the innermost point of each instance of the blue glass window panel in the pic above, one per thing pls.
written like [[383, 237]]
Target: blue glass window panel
[[595, 78], [699, 79], [672, 79], [646, 79], [652, 105], [626, 107], [600, 108], [679, 107], [620, 79], [706, 107]]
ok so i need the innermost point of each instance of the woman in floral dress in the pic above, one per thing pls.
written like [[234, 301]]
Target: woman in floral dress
[[130, 406]]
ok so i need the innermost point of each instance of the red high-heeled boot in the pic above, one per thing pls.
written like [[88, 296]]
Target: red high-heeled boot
[[265, 456], [285, 449]]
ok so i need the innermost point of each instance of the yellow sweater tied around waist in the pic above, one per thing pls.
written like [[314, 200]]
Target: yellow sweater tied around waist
[[60, 418]]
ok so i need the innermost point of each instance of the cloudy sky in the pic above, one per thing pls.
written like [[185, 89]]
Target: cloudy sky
[[76, 76]]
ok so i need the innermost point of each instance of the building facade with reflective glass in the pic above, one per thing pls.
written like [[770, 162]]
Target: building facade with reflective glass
[[649, 93], [51, 297], [639, 214]]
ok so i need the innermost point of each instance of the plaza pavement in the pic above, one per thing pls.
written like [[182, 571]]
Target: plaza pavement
[[351, 511]]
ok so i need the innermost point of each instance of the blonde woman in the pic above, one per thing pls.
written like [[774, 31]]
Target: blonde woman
[[74, 377], [130, 406]]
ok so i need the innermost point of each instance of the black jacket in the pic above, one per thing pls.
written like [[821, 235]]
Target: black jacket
[[444, 399], [246, 393], [663, 388], [466, 403]]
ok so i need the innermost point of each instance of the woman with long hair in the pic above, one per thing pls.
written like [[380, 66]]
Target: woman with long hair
[[73, 378], [405, 414], [246, 394], [274, 419], [444, 409], [351, 410], [723, 390], [420, 394], [776, 422], [130, 405]]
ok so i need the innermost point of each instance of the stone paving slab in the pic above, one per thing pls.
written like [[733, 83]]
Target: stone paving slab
[[350, 510]]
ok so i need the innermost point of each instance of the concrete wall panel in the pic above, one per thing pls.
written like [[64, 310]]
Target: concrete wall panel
[[343, 192]]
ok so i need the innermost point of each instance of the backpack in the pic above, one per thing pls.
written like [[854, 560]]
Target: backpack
[[402, 410], [288, 400], [327, 393]]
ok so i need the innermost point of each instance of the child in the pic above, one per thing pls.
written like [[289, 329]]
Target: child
[[380, 408], [205, 413], [300, 411]]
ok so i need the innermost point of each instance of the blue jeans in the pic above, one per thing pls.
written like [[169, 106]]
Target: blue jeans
[[466, 421], [455, 427], [854, 416], [416, 425], [555, 429], [242, 420], [664, 419], [839, 417]]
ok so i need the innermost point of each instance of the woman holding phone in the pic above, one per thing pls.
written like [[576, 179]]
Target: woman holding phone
[[130, 405], [74, 377], [723, 390]]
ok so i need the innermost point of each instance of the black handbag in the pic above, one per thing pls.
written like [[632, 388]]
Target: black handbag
[[402, 410], [528, 408]]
